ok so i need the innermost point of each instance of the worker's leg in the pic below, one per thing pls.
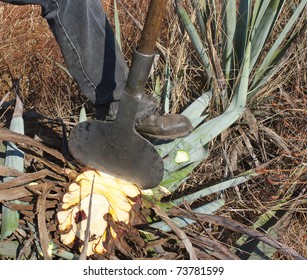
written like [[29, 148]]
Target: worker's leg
[[87, 42]]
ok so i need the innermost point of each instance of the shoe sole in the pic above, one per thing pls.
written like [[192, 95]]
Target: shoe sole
[[162, 137]]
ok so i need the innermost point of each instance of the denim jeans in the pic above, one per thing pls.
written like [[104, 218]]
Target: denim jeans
[[88, 45]]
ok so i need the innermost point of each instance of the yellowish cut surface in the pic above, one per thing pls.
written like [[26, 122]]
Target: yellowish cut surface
[[111, 198]]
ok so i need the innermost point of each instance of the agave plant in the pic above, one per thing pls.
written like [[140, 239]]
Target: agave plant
[[244, 23], [238, 62], [234, 77], [98, 210], [237, 68]]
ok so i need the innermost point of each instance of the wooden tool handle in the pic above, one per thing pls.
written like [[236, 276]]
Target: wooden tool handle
[[152, 26]]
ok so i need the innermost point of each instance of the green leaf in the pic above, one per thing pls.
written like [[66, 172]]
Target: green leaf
[[274, 222], [183, 222], [157, 89], [195, 38], [200, 8], [263, 28], [10, 222], [172, 180], [198, 106], [229, 27], [60, 252], [14, 158], [9, 249], [242, 27], [167, 87], [258, 11], [214, 189], [117, 26], [58, 65], [277, 51]]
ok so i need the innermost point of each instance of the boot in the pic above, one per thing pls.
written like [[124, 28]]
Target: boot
[[149, 121], [152, 124]]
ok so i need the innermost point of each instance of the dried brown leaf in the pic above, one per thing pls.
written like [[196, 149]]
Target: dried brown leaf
[[26, 179], [238, 227], [252, 123], [10, 172], [272, 135], [249, 146], [41, 220], [39, 158], [24, 192], [15, 193], [19, 207], [179, 232], [22, 140], [217, 249]]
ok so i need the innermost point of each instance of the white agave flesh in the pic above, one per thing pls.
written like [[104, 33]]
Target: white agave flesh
[[110, 195], [68, 238], [65, 219], [118, 214], [98, 246], [129, 189], [119, 199], [98, 224]]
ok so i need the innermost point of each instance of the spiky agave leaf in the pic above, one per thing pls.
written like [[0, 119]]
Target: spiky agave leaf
[[208, 208], [268, 66], [229, 26], [195, 143], [195, 38], [14, 158], [263, 27], [244, 38], [117, 26], [274, 222], [181, 222], [253, 22]]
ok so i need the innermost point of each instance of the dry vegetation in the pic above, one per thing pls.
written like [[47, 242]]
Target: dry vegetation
[[271, 136]]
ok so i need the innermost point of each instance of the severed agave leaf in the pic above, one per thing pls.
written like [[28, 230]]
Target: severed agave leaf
[[82, 115], [182, 156], [9, 248]]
